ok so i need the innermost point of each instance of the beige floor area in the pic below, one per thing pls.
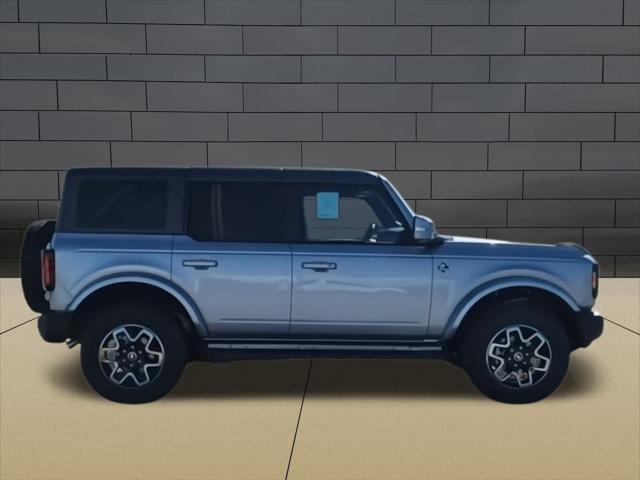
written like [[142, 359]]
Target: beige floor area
[[13, 308], [359, 419], [619, 300]]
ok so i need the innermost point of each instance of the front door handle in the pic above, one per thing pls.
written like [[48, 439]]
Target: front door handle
[[319, 266], [200, 264]]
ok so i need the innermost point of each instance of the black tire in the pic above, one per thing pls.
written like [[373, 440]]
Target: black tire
[[489, 326], [161, 379], [36, 238]]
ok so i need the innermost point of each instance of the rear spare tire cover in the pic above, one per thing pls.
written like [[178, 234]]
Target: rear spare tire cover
[[36, 237]]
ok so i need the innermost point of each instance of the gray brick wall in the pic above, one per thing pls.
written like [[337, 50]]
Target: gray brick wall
[[514, 119]]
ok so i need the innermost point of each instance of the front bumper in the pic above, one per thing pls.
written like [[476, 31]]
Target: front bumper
[[589, 327], [54, 326]]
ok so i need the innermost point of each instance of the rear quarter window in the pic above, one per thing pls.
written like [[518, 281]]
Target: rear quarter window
[[121, 205]]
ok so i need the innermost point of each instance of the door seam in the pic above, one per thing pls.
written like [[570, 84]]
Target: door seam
[[290, 288]]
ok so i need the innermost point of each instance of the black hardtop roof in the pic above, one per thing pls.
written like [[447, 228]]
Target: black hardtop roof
[[294, 175]]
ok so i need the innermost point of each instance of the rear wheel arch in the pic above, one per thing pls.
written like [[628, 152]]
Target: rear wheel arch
[[138, 292]]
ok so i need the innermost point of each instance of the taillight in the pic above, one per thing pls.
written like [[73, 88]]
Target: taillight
[[594, 280], [48, 269]]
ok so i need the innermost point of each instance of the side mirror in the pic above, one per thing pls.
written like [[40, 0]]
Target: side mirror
[[424, 229]]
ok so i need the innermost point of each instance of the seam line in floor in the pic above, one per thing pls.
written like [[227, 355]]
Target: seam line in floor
[[19, 325], [295, 435], [622, 326]]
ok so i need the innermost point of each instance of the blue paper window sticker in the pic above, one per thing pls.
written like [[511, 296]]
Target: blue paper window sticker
[[327, 205]]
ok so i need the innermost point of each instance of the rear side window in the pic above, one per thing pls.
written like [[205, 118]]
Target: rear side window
[[238, 212], [131, 205]]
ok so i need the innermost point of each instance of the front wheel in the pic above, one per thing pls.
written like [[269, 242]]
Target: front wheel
[[515, 352], [133, 353]]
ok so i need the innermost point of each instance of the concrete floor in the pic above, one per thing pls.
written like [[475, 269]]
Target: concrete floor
[[391, 419]]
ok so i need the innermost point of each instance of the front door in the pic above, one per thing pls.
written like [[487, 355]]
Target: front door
[[356, 274], [235, 259]]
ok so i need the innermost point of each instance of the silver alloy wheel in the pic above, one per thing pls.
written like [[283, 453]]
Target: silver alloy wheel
[[131, 355], [519, 356]]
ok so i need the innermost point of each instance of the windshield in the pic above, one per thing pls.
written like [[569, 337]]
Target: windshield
[[402, 204]]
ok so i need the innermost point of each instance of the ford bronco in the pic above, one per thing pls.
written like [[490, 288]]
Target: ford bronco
[[149, 269]]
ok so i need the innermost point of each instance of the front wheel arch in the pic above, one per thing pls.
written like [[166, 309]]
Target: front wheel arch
[[526, 294]]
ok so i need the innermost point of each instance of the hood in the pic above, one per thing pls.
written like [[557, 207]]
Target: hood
[[485, 247]]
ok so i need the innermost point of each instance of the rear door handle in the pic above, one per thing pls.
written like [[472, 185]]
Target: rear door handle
[[319, 266], [200, 264]]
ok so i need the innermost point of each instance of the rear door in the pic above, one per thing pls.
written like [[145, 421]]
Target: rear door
[[355, 272], [235, 259]]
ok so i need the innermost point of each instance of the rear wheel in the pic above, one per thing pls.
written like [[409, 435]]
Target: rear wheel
[[515, 352], [133, 353]]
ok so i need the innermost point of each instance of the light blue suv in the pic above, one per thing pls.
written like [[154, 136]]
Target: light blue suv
[[150, 268]]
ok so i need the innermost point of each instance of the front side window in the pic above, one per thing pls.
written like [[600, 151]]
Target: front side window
[[238, 212], [122, 205], [354, 214]]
